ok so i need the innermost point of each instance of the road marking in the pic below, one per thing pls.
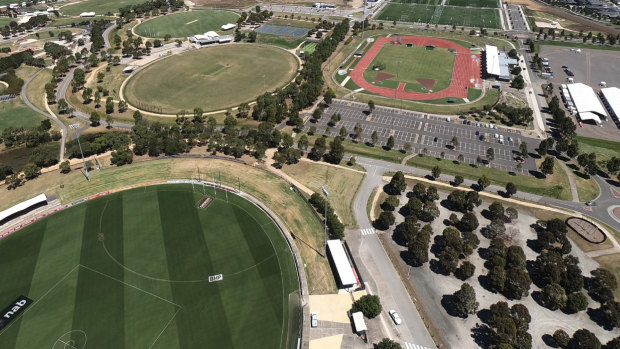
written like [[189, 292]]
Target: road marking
[[414, 346], [367, 231]]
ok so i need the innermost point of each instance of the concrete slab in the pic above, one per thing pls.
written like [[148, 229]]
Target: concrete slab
[[332, 307], [333, 342]]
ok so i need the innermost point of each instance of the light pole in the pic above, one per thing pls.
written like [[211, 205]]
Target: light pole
[[325, 224], [397, 82], [74, 127]]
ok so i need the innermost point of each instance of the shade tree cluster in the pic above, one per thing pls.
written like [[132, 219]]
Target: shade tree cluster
[[335, 227], [507, 270], [506, 327]]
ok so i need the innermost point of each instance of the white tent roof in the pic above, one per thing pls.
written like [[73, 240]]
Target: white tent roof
[[585, 100], [612, 96], [212, 34], [22, 206], [586, 115], [228, 26], [343, 267], [358, 321], [492, 60]]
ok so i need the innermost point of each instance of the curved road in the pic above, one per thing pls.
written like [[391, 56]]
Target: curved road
[[62, 126]]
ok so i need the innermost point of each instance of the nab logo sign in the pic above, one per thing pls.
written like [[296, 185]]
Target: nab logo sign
[[218, 277], [12, 311]]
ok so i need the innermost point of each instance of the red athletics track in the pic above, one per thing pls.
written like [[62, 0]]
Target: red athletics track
[[467, 70]]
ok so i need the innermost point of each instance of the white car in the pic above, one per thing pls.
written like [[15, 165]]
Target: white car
[[395, 317], [314, 320]]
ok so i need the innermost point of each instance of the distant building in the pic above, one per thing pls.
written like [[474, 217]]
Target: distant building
[[497, 64], [229, 26], [210, 37], [87, 14], [611, 99], [588, 106]]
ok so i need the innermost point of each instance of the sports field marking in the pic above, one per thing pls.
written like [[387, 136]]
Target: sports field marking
[[129, 285], [40, 299], [195, 20], [165, 327], [68, 344]]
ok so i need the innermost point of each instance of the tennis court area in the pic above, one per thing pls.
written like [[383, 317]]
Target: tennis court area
[[281, 30]]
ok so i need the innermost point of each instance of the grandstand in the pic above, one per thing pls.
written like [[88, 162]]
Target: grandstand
[[210, 37]]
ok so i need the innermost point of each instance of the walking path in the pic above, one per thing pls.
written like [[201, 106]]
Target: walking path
[[571, 180]]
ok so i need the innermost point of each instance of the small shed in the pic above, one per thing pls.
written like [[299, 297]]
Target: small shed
[[359, 323], [359, 53]]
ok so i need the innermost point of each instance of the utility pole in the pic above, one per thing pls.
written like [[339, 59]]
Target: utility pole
[[325, 224], [74, 127], [363, 17]]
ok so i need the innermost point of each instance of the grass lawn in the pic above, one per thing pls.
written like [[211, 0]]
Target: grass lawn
[[604, 149], [612, 263], [15, 113], [36, 89], [473, 93], [191, 79], [537, 45], [112, 80], [443, 15], [274, 192], [474, 3], [342, 185], [139, 261], [184, 24], [587, 188], [287, 42], [415, 62], [555, 185], [99, 7]]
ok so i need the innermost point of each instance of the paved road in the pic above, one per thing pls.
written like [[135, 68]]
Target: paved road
[[516, 18], [379, 272], [106, 36], [62, 126]]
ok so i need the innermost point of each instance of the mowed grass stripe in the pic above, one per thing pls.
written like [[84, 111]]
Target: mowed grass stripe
[[188, 258], [93, 302], [144, 252], [18, 267], [52, 314]]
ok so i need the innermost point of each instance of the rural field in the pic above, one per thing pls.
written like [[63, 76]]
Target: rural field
[[205, 78], [16, 114], [100, 7], [413, 69], [132, 269], [184, 24]]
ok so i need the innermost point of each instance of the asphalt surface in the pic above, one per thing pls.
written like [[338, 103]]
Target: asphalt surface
[[516, 18], [432, 132], [24, 97]]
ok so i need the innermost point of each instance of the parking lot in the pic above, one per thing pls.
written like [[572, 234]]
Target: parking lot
[[430, 132]]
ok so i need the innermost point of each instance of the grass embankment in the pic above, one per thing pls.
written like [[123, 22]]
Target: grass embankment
[[604, 149], [611, 262], [342, 185], [537, 45], [36, 89], [555, 185], [268, 188], [363, 149], [15, 113]]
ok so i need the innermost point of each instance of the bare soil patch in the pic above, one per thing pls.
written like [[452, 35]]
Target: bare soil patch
[[427, 83], [587, 230], [383, 76]]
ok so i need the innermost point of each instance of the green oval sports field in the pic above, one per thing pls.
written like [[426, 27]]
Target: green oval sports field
[[184, 24], [131, 270], [211, 78]]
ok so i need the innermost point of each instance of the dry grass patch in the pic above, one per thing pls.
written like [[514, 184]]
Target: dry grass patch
[[611, 262], [341, 183]]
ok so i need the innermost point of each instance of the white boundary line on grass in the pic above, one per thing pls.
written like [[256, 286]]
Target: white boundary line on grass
[[40, 299], [132, 286], [164, 329]]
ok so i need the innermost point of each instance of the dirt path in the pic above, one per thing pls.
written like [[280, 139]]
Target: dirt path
[[571, 180]]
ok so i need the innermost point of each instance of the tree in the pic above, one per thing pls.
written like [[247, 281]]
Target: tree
[[371, 106], [369, 305], [523, 149], [458, 180], [610, 311], [390, 143], [483, 182], [511, 189], [387, 343], [65, 167], [374, 137], [465, 271], [109, 105], [357, 131], [390, 203], [317, 152], [31, 171], [397, 183], [490, 154], [460, 158], [518, 82], [109, 120], [343, 133], [512, 213], [436, 172], [468, 222], [464, 301], [584, 339], [455, 142], [561, 338], [63, 106], [87, 94], [95, 118], [496, 211], [97, 99], [546, 167], [252, 36], [576, 302], [122, 157], [329, 95], [553, 296], [407, 147], [303, 142], [385, 220]]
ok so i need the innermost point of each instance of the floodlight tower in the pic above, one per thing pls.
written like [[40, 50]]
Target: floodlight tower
[[74, 127], [325, 224], [363, 17]]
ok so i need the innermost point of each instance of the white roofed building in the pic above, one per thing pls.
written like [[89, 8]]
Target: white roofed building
[[22, 207], [87, 14], [229, 26], [491, 60], [611, 99], [586, 102], [346, 276]]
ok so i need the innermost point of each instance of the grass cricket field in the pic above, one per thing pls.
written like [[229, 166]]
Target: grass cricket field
[[132, 270], [184, 24]]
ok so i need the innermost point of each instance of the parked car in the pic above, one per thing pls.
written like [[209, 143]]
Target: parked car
[[314, 320], [435, 139], [590, 203], [395, 317], [569, 73]]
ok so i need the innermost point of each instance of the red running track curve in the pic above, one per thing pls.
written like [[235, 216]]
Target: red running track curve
[[467, 70]]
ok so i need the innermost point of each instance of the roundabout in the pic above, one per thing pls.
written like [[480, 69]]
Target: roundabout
[[205, 78]]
